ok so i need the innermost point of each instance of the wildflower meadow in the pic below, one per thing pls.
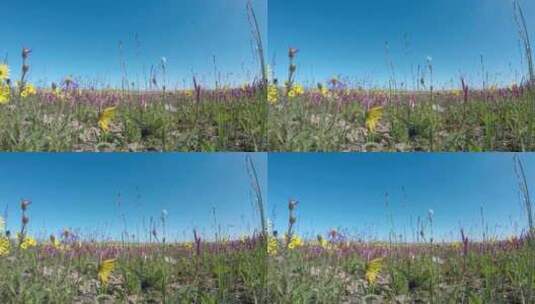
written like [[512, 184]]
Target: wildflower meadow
[[404, 111], [337, 266], [69, 116]]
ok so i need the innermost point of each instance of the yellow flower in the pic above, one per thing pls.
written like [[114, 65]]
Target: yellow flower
[[57, 244], [5, 93], [325, 244], [4, 71], [373, 116], [325, 92], [105, 269], [188, 245], [272, 94], [295, 242], [28, 243], [5, 246], [105, 118], [296, 91], [188, 93], [28, 90], [272, 246], [373, 269], [58, 93]]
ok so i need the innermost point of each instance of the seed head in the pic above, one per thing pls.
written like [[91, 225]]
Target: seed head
[[26, 53], [292, 52], [24, 204], [292, 204]]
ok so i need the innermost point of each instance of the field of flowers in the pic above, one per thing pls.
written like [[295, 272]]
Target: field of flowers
[[66, 268], [334, 116], [332, 119], [337, 268], [337, 116], [69, 116]]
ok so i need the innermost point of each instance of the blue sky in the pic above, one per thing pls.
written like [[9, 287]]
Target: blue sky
[[82, 38], [369, 195], [93, 193], [348, 37]]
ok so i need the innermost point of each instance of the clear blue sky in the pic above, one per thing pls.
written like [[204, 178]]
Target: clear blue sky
[[94, 192], [82, 38], [347, 191], [348, 37]]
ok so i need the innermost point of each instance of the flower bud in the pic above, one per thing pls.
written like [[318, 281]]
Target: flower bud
[[26, 53], [292, 52], [24, 204]]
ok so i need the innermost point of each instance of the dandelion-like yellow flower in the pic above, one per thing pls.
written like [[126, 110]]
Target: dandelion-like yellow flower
[[373, 269], [188, 245], [188, 93], [105, 269], [28, 243], [373, 116], [272, 94], [295, 242], [456, 245], [57, 244], [29, 90], [296, 91], [4, 71], [58, 93], [5, 93], [325, 244], [272, 246], [325, 92], [105, 118], [5, 246]]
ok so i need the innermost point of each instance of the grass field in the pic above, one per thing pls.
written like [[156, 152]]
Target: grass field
[[336, 118], [68, 117], [349, 271], [67, 267], [403, 266], [339, 268]]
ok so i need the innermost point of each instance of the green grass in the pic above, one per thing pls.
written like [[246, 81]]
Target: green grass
[[300, 124], [144, 273], [170, 122], [416, 273]]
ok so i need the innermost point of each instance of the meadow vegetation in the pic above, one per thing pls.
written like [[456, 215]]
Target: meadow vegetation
[[144, 267], [71, 117], [76, 115], [337, 267], [341, 114]]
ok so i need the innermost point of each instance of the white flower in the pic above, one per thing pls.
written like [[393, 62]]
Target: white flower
[[438, 108], [437, 260]]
